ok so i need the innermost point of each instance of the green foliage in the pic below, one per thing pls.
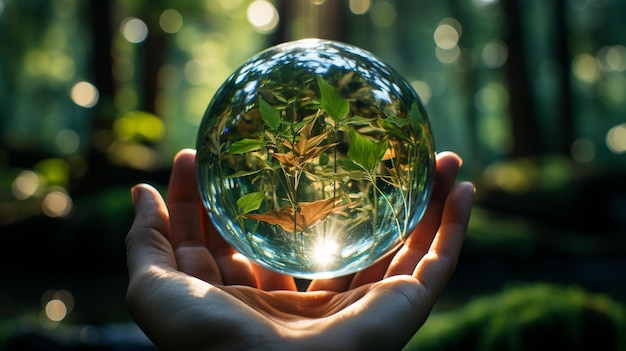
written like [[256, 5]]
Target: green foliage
[[269, 114], [336, 106], [250, 202], [533, 317], [364, 152], [245, 145]]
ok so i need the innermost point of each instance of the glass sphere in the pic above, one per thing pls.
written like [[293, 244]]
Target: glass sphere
[[315, 159]]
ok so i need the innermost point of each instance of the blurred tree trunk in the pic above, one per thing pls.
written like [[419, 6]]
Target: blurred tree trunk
[[566, 115], [525, 127], [325, 20]]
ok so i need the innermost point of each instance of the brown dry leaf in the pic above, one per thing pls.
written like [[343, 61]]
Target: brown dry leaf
[[304, 150], [307, 214]]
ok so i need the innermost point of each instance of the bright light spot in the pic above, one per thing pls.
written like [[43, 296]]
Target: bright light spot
[[25, 185], [383, 14], [134, 30], [1, 7], [494, 54], [616, 138], [448, 56], [423, 90], [585, 68], [171, 21], [446, 36], [263, 16], [612, 58], [67, 141], [55, 310], [325, 251], [57, 204], [583, 150], [84, 94], [359, 7]]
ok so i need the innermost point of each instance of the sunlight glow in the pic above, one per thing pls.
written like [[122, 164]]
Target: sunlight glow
[[325, 251]]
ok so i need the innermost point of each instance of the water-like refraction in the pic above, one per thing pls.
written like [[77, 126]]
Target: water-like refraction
[[315, 159]]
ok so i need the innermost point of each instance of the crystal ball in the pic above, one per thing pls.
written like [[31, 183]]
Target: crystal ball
[[315, 159]]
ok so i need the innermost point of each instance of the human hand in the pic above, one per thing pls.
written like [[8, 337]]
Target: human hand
[[189, 290]]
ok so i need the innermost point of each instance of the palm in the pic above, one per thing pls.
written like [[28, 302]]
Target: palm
[[208, 294]]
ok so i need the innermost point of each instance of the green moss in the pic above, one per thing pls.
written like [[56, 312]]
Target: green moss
[[530, 317]]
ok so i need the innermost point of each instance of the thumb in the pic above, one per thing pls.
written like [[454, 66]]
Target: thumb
[[146, 243]]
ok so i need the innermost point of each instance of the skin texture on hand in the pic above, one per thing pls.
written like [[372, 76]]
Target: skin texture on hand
[[189, 290]]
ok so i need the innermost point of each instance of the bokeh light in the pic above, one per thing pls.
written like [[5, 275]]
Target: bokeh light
[[263, 16], [57, 304], [359, 7], [25, 184], [446, 36], [383, 14], [612, 58], [55, 310], [171, 21], [67, 141], [84, 94], [139, 126], [585, 68], [494, 54], [57, 203], [616, 139], [583, 150], [134, 30]]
